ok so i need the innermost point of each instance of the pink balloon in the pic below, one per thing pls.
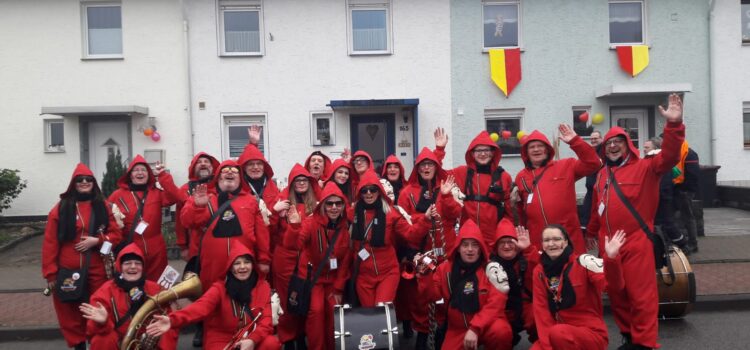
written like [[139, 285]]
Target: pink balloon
[[155, 136]]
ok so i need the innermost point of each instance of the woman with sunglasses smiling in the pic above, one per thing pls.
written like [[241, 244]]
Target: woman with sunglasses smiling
[[314, 235], [69, 238]]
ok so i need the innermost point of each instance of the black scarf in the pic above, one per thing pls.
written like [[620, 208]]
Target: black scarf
[[194, 183], [553, 269], [484, 169], [66, 226], [345, 188], [465, 286], [377, 233], [426, 195], [514, 280], [258, 185], [137, 188], [397, 186], [134, 290], [227, 224], [241, 291]]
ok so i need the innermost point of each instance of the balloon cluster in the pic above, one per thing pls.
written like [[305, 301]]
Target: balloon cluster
[[598, 118], [151, 131]]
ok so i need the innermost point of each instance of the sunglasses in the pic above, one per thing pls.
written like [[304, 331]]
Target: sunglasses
[[369, 189], [230, 169], [331, 204], [82, 179]]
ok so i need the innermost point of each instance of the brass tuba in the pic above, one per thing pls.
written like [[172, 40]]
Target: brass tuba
[[136, 338]]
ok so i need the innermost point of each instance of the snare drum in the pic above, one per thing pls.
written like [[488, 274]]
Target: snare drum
[[365, 328], [676, 296]]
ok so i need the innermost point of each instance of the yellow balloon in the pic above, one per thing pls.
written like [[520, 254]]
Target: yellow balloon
[[520, 134], [598, 118], [494, 136]]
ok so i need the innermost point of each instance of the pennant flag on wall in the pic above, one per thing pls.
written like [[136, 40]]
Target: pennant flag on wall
[[505, 68], [633, 59]]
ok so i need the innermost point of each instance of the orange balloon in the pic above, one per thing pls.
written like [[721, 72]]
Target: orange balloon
[[148, 131]]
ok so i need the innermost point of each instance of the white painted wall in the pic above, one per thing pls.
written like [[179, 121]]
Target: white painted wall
[[40, 65], [730, 82]]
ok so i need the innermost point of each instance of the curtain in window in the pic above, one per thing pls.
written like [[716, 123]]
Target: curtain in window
[[241, 31], [369, 31], [104, 30], [625, 22]]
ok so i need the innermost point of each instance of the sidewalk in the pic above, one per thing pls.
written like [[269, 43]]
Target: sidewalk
[[722, 273]]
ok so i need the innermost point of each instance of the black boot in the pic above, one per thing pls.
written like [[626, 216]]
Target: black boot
[[626, 342], [301, 344], [80, 346], [290, 345], [421, 341], [198, 337], [408, 331]]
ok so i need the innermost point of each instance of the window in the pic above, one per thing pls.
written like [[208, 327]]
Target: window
[[235, 136], [369, 27], [508, 121], [102, 30], [54, 135], [582, 128], [323, 129], [745, 13], [240, 28], [746, 124], [501, 23], [626, 22]]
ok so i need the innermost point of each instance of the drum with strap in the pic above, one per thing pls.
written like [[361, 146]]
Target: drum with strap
[[365, 327], [676, 283]]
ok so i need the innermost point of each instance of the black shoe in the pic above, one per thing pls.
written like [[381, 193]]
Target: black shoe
[[80, 346], [198, 337], [421, 341], [290, 345], [301, 344], [408, 331], [626, 342]]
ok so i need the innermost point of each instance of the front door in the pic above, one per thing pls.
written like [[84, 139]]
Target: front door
[[107, 138], [374, 134], [633, 121]]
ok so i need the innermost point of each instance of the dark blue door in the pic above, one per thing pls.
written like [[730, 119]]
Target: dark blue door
[[375, 134]]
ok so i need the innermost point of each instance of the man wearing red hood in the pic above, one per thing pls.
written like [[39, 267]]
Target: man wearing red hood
[[475, 307], [141, 202], [636, 306], [77, 226], [485, 184], [319, 166], [201, 171], [259, 176], [113, 305], [360, 162], [547, 186]]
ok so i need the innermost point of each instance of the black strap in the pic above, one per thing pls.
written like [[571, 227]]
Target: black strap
[[470, 196], [319, 270], [128, 315], [137, 218]]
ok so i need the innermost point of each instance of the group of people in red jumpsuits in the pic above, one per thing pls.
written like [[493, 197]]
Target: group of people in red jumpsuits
[[469, 256]]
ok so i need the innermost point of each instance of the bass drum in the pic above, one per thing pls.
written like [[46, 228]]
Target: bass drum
[[676, 292], [365, 328]]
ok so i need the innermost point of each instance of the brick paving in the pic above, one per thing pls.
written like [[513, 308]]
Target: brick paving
[[722, 279]]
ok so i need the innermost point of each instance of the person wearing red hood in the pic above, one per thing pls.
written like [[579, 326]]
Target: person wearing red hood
[[77, 226], [376, 229], [475, 306], [112, 306], [636, 306], [485, 184], [547, 186], [360, 162], [393, 172], [228, 306], [227, 218], [516, 257], [141, 201], [258, 174], [319, 166], [201, 171], [341, 175], [315, 234], [568, 292]]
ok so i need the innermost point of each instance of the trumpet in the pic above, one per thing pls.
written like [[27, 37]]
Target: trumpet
[[244, 332], [425, 262]]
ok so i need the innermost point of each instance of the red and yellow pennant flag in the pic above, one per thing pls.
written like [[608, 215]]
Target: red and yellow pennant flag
[[505, 68], [633, 59]]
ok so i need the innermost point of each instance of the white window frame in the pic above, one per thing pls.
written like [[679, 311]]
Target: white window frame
[[519, 5], [745, 110], [243, 119], [352, 5], [644, 23], [85, 29], [505, 113], [314, 116], [48, 136], [153, 155], [742, 30], [239, 5], [588, 123]]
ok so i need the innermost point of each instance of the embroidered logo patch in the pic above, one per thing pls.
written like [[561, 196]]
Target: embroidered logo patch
[[68, 285], [228, 215], [366, 343], [469, 288]]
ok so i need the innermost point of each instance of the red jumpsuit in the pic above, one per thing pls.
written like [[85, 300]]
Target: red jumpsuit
[[117, 303], [151, 242], [186, 238], [481, 204], [222, 317], [636, 306], [379, 275], [489, 323], [215, 250], [313, 236], [56, 254], [553, 189], [580, 326]]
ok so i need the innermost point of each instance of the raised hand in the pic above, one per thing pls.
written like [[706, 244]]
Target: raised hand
[[673, 113], [293, 216], [447, 185], [97, 314], [441, 138], [346, 155], [253, 133], [612, 245], [566, 133], [159, 326], [158, 168], [523, 238], [200, 195], [281, 206]]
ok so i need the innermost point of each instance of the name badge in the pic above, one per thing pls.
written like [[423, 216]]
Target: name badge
[[364, 254], [601, 208], [333, 263], [106, 248], [141, 228], [529, 198]]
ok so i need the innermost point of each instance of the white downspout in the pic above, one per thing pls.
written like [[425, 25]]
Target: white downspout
[[186, 54], [711, 83]]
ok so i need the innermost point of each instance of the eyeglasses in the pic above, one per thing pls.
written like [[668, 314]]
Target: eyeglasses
[[553, 239], [81, 179], [230, 169], [301, 180], [369, 189], [482, 150], [615, 142], [360, 160], [427, 164], [331, 204], [508, 242]]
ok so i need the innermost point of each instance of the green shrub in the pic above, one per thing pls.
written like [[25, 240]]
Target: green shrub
[[11, 186], [115, 169]]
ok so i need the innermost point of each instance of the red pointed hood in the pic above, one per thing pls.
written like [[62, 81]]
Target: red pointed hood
[[392, 159], [326, 163], [245, 188], [331, 190], [618, 131], [129, 249], [339, 163], [125, 178], [299, 170], [505, 228], [370, 178], [427, 154], [535, 136], [238, 250], [470, 230], [191, 169], [80, 170], [483, 139], [252, 152]]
